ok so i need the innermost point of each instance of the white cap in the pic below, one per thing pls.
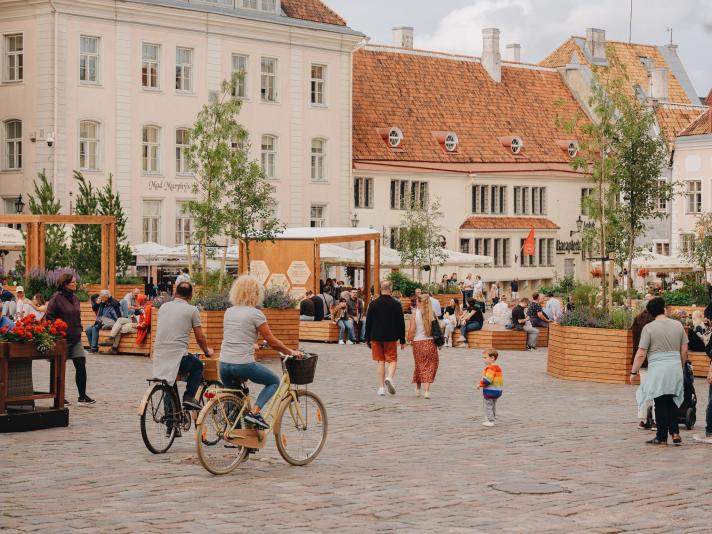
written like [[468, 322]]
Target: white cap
[[19, 289]]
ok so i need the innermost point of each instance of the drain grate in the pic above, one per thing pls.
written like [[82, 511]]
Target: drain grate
[[528, 488]]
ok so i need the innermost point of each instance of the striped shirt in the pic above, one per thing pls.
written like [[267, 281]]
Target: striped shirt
[[491, 382]]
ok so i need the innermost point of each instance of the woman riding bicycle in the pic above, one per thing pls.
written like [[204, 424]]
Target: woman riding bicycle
[[243, 324]]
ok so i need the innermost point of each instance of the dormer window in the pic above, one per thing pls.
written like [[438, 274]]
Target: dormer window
[[395, 137], [451, 142], [269, 6], [572, 149], [448, 141], [516, 145]]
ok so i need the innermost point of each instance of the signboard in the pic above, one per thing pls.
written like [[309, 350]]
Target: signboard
[[259, 270], [298, 292], [298, 272], [279, 280], [568, 247]]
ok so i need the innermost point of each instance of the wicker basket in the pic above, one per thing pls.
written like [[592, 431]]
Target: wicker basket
[[302, 371]]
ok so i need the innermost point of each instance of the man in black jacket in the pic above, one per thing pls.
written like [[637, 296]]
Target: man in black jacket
[[385, 327]]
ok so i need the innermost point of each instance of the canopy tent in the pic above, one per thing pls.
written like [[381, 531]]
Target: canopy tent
[[11, 239], [150, 249], [659, 263], [391, 258]]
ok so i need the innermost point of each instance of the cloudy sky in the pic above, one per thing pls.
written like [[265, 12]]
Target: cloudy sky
[[540, 25]]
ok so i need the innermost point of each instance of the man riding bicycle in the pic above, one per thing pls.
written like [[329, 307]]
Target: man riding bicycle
[[176, 319]]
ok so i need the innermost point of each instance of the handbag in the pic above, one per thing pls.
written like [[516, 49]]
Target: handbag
[[437, 333]]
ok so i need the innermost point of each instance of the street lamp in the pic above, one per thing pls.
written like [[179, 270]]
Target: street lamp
[[19, 205], [579, 226], [354, 220]]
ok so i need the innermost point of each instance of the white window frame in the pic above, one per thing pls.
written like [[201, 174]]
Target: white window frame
[[268, 6], [183, 219], [659, 246], [90, 147], [150, 66], [693, 195], [662, 204], [241, 88], [16, 143], [150, 150], [85, 58], [182, 168], [465, 245], [363, 192], [585, 193], [268, 79], [184, 71], [318, 160], [316, 221], [318, 86], [13, 69], [268, 156], [146, 232]]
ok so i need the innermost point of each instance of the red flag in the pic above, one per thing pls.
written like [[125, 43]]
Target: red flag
[[529, 248]]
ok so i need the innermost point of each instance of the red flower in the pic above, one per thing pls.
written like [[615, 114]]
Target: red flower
[[53, 331], [28, 335], [64, 334], [3, 330], [38, 329]]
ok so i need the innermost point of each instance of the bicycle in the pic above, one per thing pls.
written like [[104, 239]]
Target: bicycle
[[224, 439], [163, 416]]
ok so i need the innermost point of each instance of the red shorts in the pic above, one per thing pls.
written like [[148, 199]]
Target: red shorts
[[384, 351]]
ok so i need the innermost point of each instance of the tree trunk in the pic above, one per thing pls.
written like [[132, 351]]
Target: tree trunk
[[189, 247], [223, 266], [204, 261], [247, 257]]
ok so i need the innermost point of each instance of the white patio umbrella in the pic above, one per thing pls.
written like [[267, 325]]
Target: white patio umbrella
[[11, 239], [660, 263], [391, 258]]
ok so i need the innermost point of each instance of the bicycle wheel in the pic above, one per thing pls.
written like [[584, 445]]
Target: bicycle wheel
[[158, 422], [215, 453], [300, 440]]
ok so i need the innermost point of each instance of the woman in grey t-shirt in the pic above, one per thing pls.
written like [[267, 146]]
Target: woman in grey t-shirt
[[243, 324]]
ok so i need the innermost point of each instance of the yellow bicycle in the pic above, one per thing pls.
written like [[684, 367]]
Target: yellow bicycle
[[297, 418]]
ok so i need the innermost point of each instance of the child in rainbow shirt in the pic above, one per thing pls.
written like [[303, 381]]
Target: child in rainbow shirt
[[491, 384]]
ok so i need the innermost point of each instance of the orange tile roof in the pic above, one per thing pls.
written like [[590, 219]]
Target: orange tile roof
[[700, 126], [674, 118], [515, 223], [312, 10], [629, 55], [422, 93]]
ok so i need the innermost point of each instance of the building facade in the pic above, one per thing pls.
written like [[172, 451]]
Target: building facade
[[111, 88]]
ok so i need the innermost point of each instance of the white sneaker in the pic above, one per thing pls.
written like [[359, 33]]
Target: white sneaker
[[381, 391], [390, 386], [703, 439], [349, 342], [341, 342], [488, 423], [426, 395]]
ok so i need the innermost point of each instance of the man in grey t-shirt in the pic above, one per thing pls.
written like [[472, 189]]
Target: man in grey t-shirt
[[176, 319]]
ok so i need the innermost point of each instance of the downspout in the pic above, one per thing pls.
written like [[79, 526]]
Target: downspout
[[54, 94]]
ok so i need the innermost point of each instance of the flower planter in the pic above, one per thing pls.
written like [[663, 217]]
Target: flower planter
[[284, 324], [590, 354], [687, 309]]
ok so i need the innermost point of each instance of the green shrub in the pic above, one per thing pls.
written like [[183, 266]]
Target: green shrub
[[212, 301], [618, 318], [562, 286], [677, 298], [403, 284], [132, 280], [278, 298], [584, 295]]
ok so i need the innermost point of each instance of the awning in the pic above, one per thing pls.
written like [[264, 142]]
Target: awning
[[659, 263], [391, 258], [150, 249], [10, 238]]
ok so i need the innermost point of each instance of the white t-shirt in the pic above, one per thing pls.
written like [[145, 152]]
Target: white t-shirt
[[479, 286], [468, 284], [240, 334], [420, 328], [501, 313]]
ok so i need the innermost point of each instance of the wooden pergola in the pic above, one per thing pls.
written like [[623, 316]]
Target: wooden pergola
[[303, 244], [36, 233]]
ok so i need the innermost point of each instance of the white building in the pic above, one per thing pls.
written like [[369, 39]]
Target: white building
[[109, 87]]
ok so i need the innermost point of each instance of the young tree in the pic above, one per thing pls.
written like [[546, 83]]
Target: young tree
[[700, 251], [109, 203], [43, 202], [212, 138], [419, 235], [85, 251]]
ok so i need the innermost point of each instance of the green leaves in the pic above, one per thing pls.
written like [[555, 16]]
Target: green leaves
[[43, 202], [419, 235]]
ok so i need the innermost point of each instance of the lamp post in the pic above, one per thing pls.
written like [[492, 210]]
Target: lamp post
[[19, 205], [354, 220], [579, 226]]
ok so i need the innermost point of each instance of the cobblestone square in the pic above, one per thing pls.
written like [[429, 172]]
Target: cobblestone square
[[390, 463]]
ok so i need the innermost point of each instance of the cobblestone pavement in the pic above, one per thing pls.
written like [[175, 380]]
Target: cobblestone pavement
[[394, 463]]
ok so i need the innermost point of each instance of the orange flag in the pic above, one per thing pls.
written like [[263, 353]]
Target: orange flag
[[529, 248]]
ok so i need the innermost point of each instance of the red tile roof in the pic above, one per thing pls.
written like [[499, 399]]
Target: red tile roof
[[702, 125], [477, 222], [422, 93], [674, 118], [312, 10]]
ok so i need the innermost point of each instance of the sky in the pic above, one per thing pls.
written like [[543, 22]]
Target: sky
[[540, 26]]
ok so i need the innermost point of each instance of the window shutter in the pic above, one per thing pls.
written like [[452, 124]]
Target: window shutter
[[517, 200], [543, 201]]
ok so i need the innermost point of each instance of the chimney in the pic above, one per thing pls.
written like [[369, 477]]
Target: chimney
[[659, 83], [403, 37], [513, 53], [491, 58], [596, 43]]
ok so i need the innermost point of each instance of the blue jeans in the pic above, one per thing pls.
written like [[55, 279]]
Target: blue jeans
[[93, 336], [192, 368], [232, 374], [363, 330], [346, 324], [708, 429], [469, 327]]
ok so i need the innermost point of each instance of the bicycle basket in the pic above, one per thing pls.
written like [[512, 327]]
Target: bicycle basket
[[302, 371]]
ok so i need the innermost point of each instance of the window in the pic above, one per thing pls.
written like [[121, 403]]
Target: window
[[151, 150], [586, 192], [268, 88], [480, 194], [500, 252], [88, 59], [402, 190], [184, 224], [538, 201], [318, 156], [151, 220], [269, 155], [318, 81], [88, 145], [182, 143], [483, 246], [13, 145], [550, 251], [694, 196], [317, 215], [239, 64], [465, 246], [393, 237], [521, 200], [662, 202], [489, 199], [151, 65], [662, 248], [249, 4], [14, 58], [263, 5], [526, 261], [542, 251], [451, 142], [688, 242], [363, 192], [184, 69]]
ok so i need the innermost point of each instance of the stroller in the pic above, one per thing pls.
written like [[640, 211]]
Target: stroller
[[687, 413]]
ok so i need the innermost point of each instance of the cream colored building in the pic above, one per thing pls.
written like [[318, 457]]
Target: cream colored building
[[110, 87]]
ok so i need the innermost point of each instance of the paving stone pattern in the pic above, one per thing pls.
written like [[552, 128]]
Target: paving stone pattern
[[390, 464]]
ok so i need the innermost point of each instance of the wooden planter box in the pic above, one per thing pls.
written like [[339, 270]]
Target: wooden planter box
[[324, 331], [405, 302], [121, 289], [493, 337], [590, 354], [543, 339], [700, 363], [443, 299], [284, 324], [688, 309]]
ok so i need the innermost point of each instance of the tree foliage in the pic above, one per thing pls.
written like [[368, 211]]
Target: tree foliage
[[43, 202], [85, 251], [419, 235], [699, 251], [109, 203]]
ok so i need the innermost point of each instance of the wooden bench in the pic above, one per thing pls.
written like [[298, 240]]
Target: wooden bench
[[700, 363], [543, 339], [127, 345], [324, 331], [494, 337]]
